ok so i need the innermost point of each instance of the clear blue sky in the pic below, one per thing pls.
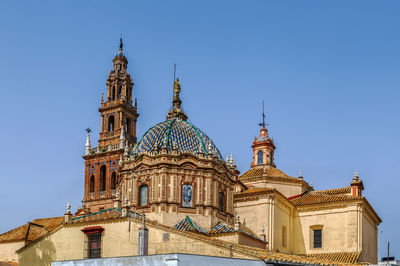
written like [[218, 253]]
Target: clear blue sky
[[329, 72]]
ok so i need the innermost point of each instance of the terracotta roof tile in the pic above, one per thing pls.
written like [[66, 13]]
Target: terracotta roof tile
[[32, 230], [342, 190], [16, 234], [270, 173], [50, 223], [342, 257], [315, 197], [259, 171]]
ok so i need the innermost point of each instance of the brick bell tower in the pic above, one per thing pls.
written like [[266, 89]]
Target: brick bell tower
[[117, 132]]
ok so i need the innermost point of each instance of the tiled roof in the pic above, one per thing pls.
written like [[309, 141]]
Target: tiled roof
[[259, 171], [289, 258], [315, 197], [270, 173], [50, 223], [179, 134], [342, 190], [188, 225], [342, 257], [32, 230]]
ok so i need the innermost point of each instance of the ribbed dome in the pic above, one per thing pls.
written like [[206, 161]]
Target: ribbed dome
[[179, 134]]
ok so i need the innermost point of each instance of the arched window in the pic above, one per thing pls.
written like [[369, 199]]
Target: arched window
[[128, 125], [119, 92], [221, 201], [111, 123], [113, 92], [143, 195], [103, 171], [187, 195], [91, 184], [113, 180], [260, 156]]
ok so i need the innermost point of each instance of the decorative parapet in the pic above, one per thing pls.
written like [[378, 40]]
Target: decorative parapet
[[106, 148]]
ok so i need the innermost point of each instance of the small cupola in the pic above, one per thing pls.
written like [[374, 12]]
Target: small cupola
[[263, 147]]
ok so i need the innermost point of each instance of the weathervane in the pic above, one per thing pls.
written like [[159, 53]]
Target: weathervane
[[88, 130], [263, 116]]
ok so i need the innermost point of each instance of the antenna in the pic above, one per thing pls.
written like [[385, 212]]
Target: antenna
[[263, 117]]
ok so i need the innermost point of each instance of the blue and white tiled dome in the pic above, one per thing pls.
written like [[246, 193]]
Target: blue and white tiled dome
[[179, 134]]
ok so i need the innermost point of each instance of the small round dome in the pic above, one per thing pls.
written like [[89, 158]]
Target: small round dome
[[178, 134]]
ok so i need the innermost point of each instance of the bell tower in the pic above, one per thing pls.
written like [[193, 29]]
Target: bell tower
[[117, 111], [263, 147], [118, 116]]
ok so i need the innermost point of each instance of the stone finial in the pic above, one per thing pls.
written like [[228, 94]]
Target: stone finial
[[68, 214], [125, 207], [310, 184], [355, 177], [357, 185], [88, 146], [237, 222], [200, 149], [122, 138], [300, 174], [231, 161], [210, 147], [174, 145], [263, 235], [102, 98]]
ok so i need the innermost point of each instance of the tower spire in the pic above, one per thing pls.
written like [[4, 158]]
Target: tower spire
[[176, 111], [121, 45], [263, 117]]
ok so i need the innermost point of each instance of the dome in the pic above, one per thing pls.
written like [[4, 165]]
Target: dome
[[179, 134]]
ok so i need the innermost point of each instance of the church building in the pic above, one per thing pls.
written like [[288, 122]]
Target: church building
[[172, 191]]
